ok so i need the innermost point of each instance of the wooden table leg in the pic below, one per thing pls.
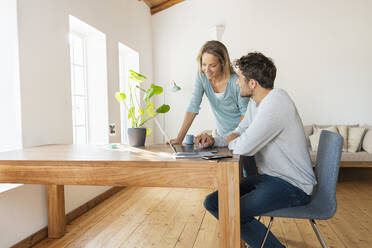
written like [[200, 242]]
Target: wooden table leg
[[229, 205], [56, 210]]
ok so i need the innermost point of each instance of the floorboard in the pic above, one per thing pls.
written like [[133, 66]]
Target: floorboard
[[175, 218]]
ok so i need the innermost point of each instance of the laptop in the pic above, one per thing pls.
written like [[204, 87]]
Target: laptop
[[184, 151], [190, 149]]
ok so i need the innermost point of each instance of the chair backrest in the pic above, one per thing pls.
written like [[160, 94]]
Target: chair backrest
[[326, 171]]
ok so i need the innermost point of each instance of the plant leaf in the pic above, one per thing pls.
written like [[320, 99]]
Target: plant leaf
[[149, 93], [153, 90], [157, 89], [141, 111], [163, 109], [120, 96], [150, 109], [136, 76], [148, 131]]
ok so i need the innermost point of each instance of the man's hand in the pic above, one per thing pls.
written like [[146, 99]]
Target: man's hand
[[204, 139], [231, 137]]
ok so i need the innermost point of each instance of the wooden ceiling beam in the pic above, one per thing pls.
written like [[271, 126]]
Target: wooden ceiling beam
[[147, 2], [163, 6]]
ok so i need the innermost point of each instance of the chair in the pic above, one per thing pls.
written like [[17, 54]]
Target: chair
[[323, 204], [248, 167]]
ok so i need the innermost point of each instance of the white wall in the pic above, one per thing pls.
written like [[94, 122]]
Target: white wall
[[22, 212], [322, 50], [10, 115], [10, 118], [43, 27]]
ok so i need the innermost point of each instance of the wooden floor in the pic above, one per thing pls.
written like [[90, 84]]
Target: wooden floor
[[163, 217]]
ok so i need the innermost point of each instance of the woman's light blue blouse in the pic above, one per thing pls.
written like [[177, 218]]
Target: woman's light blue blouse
[[227, 109]]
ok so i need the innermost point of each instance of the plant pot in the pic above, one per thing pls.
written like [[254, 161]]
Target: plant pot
[[137, 136]]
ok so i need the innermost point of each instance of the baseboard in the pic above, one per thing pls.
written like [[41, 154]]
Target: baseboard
[[355, 174], [43, 233]]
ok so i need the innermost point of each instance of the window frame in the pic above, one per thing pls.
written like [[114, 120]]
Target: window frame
[[74, 95]]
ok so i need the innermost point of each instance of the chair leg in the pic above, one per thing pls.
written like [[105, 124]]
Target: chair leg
[[268, 231], [317, 232]]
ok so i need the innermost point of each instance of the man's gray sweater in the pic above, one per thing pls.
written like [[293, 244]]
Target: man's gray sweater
[[273, 132]]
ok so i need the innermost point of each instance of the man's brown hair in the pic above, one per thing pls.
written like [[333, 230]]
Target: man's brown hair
[[258, 67]]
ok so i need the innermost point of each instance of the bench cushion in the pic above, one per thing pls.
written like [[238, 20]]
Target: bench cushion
[[349, 156]]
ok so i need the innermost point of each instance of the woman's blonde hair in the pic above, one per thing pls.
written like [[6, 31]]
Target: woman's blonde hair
[[219, 50]]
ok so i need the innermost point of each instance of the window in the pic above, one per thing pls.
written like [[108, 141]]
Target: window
[[89, 83], [128, 60], [79, 89]]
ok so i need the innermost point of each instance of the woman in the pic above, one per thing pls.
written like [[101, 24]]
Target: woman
[[217, 79]]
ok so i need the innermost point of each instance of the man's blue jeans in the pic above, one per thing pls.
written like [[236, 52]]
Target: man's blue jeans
[[260, 194]]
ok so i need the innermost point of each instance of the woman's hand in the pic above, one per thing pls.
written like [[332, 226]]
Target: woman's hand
[[175, 141]]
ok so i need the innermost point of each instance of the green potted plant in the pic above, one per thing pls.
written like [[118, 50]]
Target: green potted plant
[[137, 114]]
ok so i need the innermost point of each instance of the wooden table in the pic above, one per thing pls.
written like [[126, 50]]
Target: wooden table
[[150, 166]]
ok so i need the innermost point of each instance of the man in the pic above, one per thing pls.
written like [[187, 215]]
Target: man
[[272, 131]]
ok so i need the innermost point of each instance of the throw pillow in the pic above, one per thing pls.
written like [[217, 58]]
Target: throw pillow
[[355, 138], [308, 129], [343, 131], [314, 138], [318, 129], [367, 141]]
